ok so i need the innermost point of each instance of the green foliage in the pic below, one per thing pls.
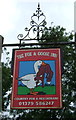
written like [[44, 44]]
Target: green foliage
[[55, 34], [6, 80]]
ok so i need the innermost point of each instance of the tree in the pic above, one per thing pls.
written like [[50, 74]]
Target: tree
[[57, 34], [6, 83]]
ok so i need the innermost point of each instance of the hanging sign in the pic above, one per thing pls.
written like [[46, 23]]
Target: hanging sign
[[36, 79]]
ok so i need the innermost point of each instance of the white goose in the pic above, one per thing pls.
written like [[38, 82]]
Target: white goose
[[28, 80]]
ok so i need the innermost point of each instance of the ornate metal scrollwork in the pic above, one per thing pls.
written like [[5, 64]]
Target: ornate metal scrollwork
[[37, 26]]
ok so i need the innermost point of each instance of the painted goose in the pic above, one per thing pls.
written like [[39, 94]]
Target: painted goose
[[28, 80]]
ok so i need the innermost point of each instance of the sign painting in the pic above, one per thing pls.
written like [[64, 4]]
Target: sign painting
[[37, 79]]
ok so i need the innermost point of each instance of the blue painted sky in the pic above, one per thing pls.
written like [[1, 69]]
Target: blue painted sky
[[27, 67]]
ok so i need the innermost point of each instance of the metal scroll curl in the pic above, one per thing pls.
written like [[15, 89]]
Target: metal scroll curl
[[38, 22]]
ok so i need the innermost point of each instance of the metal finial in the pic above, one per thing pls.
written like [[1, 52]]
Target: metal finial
[[38, 6]]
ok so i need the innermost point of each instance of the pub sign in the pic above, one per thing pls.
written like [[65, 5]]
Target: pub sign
[[37, 79]]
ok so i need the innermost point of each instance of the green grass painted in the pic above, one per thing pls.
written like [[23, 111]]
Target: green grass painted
[[49, 90]]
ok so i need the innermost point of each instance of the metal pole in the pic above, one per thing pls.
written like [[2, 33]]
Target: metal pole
[[1, 42]]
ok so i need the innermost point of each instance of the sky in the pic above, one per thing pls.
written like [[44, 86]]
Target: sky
[[15, 15]]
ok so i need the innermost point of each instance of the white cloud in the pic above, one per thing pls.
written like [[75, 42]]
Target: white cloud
[[7, 15], [55, 1]]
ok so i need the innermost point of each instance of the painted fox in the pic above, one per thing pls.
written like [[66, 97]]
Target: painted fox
[[44, 68]]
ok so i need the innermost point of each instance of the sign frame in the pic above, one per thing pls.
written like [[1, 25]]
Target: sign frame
[[23, 59]]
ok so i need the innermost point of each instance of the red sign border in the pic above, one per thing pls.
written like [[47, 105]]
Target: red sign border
[[59, 89]]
